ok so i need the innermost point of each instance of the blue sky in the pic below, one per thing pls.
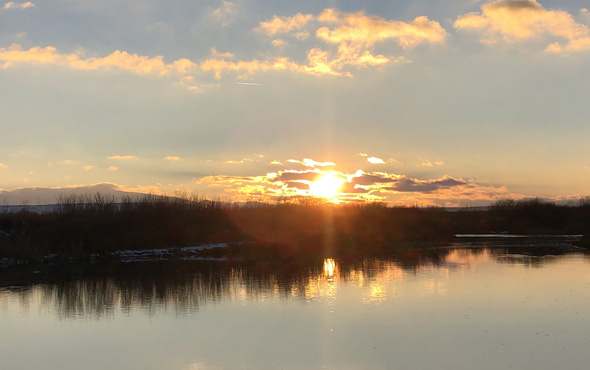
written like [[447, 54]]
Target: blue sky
[[454, 102]]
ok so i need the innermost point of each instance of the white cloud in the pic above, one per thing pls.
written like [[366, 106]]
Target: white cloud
[[311, 163], [375, 160]]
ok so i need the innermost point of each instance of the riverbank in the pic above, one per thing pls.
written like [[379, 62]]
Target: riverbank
[[83, 228]]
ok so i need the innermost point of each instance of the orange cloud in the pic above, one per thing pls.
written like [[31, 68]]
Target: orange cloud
[[361, 186], [139, 64], [355, 36], [358, 30], [2, 165], [13, 5], [284, 24], [88, 167], [122, 157], [525, 19]]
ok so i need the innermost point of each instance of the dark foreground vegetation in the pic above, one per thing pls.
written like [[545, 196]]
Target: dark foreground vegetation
[[80, 226]]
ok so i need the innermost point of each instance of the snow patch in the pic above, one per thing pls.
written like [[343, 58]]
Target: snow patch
[[167, 253]]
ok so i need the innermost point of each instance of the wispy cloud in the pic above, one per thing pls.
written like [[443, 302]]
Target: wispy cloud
[[218, 54], [13, 5], [113, 168], [512, 21], [122, 157], [225, 12], [278, 42], [172, 158], [311, 163], [248, 83], [88, 167], [428, 163], [218, 66], [2, 165]]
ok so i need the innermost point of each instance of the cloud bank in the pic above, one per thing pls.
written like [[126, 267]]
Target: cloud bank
[[517, 20]]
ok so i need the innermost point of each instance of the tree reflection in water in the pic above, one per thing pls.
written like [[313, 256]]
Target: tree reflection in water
[[182, 287]]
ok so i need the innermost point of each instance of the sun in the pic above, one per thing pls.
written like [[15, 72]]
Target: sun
[[326, 186]]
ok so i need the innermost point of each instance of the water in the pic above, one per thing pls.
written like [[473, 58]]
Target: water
[[490, 307]]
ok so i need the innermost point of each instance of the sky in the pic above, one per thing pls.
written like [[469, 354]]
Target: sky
[[438, 102]]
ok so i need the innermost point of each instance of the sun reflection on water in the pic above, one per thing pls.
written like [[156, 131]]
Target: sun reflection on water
[[329, 268], [326, 285]]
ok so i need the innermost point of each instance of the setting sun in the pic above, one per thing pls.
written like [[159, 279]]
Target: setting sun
[[326, 186]]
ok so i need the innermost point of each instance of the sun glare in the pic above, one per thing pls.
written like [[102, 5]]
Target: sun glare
[[326, 186]]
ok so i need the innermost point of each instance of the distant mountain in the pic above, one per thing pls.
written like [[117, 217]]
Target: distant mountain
[[40, 195]]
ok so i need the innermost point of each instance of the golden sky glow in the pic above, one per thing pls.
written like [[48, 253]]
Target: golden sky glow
[[327, 186], [449, 103]]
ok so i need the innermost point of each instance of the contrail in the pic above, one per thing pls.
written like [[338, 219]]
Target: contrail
[[249, 84]]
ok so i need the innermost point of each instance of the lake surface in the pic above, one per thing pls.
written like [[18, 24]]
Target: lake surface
[[480, 304]]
